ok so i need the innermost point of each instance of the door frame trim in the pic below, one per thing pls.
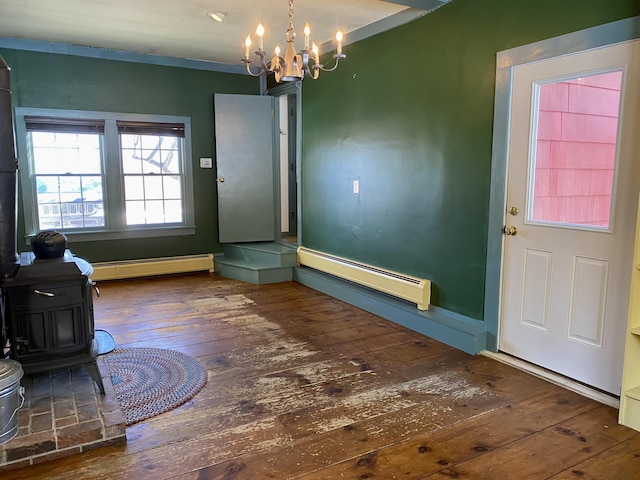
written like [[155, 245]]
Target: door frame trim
[[594, 37], [290, 89]]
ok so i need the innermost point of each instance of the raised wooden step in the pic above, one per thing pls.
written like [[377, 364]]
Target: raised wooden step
[[258, 263]]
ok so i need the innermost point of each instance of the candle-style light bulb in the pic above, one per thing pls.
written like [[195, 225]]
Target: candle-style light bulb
[[339, 39], [247, 45], [260, 33], [277, 50], [307, 32], [316, 53]]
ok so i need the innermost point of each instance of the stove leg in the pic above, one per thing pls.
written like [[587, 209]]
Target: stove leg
[[94, 373]]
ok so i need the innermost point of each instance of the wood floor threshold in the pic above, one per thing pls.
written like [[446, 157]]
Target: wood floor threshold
[[555, 378]]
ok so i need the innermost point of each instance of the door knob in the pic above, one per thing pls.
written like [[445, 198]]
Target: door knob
[[510, 231], [221, 179]]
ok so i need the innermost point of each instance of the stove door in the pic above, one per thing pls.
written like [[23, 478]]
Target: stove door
[[49, 320]]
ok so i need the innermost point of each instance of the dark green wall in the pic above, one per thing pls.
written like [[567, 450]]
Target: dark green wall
[[410, 114], [78, 83]]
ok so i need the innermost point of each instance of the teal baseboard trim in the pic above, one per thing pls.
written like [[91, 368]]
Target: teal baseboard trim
[[453, 329], [216, 261]]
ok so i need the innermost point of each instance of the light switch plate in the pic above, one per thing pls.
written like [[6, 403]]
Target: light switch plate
[[206, 163]]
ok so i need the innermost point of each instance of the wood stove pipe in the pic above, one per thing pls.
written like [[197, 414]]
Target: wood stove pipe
[[8, 177]]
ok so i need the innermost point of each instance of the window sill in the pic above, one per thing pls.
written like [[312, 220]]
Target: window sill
[[101, 235]]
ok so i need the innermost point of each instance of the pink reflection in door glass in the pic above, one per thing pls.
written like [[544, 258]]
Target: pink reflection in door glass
[[576, 150]]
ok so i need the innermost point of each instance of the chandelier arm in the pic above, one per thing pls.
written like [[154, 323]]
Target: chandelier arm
[[337, 58], [316, 71], [261, 69]]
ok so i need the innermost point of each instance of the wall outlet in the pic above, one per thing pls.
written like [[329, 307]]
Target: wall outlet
[[356, 186], [206, 163]]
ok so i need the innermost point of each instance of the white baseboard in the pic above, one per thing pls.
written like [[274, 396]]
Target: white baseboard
[[412, 289], [152, 266]]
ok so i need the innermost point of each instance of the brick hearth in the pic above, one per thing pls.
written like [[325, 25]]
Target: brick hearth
[[63, 414]]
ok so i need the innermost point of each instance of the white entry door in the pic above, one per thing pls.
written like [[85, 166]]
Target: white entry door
[[572, 192]]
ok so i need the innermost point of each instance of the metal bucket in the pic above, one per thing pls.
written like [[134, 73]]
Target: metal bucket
[[11, 398]]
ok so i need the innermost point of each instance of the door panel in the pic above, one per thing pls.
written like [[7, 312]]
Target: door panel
[[245, 172], [571, 179], [588, 292], [536, 288]]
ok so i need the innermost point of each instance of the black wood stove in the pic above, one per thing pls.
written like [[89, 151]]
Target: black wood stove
[[46, 304], [48, 312]]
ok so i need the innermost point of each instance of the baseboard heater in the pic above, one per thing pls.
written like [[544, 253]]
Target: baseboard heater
[[412, 289], [152, 266]]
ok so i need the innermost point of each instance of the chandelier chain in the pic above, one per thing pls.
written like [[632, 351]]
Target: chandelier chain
[[291, 13], [291, 32]]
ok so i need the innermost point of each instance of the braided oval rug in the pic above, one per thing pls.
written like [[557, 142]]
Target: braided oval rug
[[151, 381]]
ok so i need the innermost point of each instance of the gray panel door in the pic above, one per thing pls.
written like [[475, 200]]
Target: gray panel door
[[244, 161]]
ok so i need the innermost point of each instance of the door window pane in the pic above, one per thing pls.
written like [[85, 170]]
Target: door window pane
[[575, 151]]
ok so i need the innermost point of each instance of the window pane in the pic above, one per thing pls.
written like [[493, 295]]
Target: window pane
[[70, 187], [151, 142], [47, 188], [129, 141], [173, 211], [92, 207], [135, 213], [45, 139], [576, 150], [68, 179], [49, 214], [133, 187], [153, 187], [155, 211], [151, 161], [172, 186], [131, 162]]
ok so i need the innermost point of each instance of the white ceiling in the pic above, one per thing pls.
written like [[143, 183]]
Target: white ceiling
[[182, 29]]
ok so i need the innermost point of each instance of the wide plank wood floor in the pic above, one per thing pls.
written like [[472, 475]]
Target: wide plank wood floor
[[304, 386]]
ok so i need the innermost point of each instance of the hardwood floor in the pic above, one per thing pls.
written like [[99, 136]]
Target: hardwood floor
[[304, 386]]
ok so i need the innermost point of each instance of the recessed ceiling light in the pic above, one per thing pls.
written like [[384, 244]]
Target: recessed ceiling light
[[217, 15]]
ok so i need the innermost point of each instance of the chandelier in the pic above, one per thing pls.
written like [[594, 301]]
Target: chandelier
[[292, 66]]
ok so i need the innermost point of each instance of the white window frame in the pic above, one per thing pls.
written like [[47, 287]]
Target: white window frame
[[113, 179]]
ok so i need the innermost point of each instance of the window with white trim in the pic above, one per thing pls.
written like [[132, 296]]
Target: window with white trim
[[102, 175], [151, 168]]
